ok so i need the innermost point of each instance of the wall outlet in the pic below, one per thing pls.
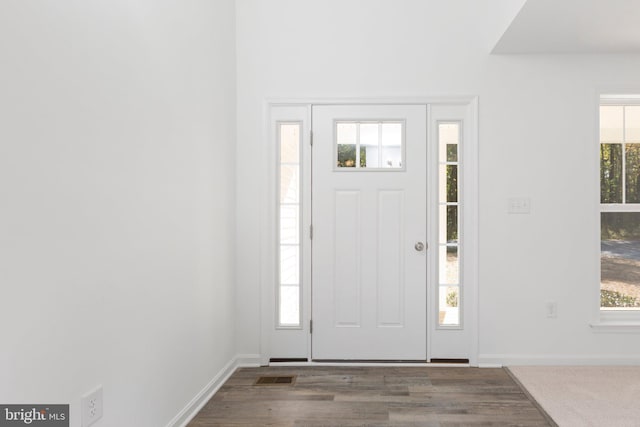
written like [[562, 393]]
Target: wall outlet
[[92, 407], [552, 309]]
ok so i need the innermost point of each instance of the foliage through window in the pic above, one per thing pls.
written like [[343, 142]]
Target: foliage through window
[[449, 283], [363, 145], [620, 203]]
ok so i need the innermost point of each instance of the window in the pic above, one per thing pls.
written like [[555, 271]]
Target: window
[[289, 138], [620, 203], [449, 284], [369, 145]]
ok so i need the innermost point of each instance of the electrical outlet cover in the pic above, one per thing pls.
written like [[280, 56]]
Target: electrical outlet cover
[[92, 407]]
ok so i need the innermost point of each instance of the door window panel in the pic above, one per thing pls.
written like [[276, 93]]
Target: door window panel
[[369, 145]]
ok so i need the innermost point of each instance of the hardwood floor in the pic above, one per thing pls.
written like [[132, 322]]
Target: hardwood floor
[[371, 396]]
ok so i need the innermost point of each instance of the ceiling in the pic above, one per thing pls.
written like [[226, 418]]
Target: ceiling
[[573, 26]]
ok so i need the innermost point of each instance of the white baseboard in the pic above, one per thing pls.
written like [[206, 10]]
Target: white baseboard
[[496, 360], [248, 360], [489, 365], [193, 407]]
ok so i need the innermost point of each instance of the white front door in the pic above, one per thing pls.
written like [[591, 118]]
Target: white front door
[[369, 208]]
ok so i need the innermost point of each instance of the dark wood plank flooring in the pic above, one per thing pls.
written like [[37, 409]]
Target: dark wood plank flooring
[[372, 396]]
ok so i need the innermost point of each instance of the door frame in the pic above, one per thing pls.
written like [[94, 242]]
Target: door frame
[[267, 206]]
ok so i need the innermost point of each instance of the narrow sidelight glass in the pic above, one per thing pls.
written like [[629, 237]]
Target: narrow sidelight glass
[[289, 221], [449, 259]]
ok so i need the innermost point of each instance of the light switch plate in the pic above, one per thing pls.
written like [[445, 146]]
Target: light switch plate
[[519, 205]]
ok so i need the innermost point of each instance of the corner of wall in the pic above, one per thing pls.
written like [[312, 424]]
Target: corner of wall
[[192, 408], [501, 13]]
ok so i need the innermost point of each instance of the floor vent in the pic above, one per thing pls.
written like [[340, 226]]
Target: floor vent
[[449, 360], [282, 380], [288, 359]]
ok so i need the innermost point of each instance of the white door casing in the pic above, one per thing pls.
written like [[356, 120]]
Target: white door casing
[[454, 342], [369, 282], [441, 342]]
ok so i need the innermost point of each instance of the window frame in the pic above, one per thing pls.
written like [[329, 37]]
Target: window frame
[[299, 325], [459, 205], [357, 168], [613, 319]]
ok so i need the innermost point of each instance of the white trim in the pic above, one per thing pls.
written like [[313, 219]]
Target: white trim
[[616, 100], [617, 207], [193, 407], [432, 235], [267, 236], [197, 403], [616, 320], [595, 284], [472, 230], [487, 360], [307, 221], [468, 174], [621, 320], [266, 209], [248, 361], [616, 327], [273, 338], [441, 100]]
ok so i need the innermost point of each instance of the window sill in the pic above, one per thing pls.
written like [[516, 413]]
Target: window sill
[[622, 320], [627, 327]]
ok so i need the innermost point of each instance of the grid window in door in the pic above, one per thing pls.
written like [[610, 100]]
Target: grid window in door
[[289, 224], [366, 145], [449, 283]]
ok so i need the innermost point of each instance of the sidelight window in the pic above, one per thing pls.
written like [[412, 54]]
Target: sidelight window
[[289, 144], [449, 283]]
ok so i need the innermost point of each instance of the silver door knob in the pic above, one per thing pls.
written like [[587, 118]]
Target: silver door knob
[[419, 246]]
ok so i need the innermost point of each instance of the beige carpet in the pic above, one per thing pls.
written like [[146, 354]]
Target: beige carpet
[[585, 396]]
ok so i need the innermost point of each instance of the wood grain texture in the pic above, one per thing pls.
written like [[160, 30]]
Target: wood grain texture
[[372, 396]]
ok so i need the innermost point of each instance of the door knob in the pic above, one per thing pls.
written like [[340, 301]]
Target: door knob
[[419, 246]]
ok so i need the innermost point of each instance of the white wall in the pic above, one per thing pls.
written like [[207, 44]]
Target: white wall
[[117, 151], [537, 139], [500, 15]]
